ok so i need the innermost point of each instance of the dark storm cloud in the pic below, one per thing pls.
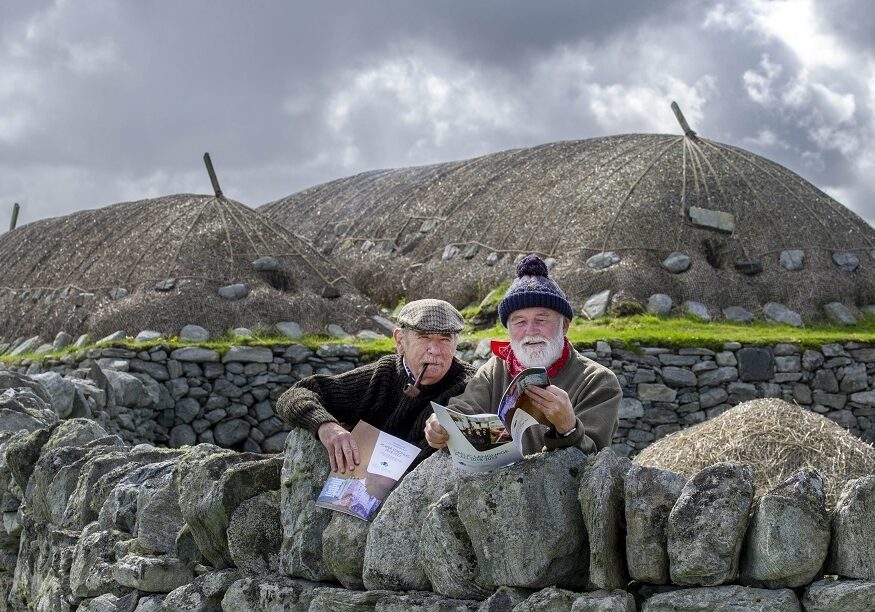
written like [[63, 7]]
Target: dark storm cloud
[[106, 101]]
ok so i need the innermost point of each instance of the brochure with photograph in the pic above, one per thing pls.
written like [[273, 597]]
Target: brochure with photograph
[[384, 459], [483, 442]]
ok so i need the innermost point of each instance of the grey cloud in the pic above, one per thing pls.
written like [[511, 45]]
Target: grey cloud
[[252, 83]]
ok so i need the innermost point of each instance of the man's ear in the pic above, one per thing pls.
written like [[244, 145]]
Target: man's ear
[[399, 346], [566, 322]]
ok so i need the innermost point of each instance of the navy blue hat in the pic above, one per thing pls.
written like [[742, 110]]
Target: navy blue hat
[[533, 288]]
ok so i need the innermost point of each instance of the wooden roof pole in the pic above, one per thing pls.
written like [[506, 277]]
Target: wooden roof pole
[[14, 222], [213, 178], [688, 131]]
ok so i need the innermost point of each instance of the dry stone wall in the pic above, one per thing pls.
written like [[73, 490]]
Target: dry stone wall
[[92, 523], [174, 397]]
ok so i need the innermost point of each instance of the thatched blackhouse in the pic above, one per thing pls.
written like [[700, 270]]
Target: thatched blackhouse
[[158, 264], [610, 211]]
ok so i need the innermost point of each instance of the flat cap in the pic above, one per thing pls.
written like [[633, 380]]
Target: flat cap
[[431, 316]]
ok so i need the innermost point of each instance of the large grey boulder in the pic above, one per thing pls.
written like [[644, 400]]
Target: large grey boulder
[[193, 333], [601, 501], [23, 409], [504, 599], [540, 493], [343, 549], [778, 313], [602, 260], [91, 570], [677, 262], [550, 598], [305, 468], [41, 581], [203, 594], [327, 599], [22, 451], [211, 484], [788, 535], [659, 304], [111, 603], [61, 391], [596, 305], [737, 314], [159, 518], [55, 478], [392, 551], [423, 602], [269, 594], [725, 598], [792, 259], [152, 574], [248, 354], [851, 553], [839, 314], [255, 534], [131, 390], [839, 595], [649, 495], [446, 553], [604, 601], [119, 510], [103, 472], [707, 524], [696, 309]]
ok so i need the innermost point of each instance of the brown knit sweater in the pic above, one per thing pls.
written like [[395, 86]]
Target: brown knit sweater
[[373, 393]]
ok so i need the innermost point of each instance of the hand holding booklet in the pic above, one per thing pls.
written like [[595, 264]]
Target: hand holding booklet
[[384, 459], [483, 442]]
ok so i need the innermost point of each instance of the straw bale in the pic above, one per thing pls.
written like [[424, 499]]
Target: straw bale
[[58, 273], [630, 194], [776, 437]]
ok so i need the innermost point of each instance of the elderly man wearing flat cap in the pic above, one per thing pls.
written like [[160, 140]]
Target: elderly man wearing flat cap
[[582, 403], [393, 394]]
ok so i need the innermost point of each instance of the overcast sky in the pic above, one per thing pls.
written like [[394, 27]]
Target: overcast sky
[[107, 100]]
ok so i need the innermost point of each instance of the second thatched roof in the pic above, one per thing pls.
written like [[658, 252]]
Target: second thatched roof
[[454, 230], [158, 264]]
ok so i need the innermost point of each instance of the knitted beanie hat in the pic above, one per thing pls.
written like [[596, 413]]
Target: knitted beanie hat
[[531, 288]]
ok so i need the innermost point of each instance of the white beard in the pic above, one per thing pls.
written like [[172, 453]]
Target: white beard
[[539, 355]]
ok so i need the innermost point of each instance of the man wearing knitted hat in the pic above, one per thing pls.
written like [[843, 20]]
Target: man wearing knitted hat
[[393, 394], [581, 403]]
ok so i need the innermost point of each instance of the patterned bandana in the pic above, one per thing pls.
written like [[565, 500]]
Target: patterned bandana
[[503, 350]]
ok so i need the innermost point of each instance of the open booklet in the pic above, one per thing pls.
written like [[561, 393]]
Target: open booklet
[[483, 442], [384, 459]]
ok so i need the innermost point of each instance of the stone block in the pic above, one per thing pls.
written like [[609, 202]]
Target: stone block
[[707, 524], [788, 535]]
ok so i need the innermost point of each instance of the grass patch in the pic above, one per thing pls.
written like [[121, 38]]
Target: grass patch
[[638, 330], [679, 332], [487, 304]]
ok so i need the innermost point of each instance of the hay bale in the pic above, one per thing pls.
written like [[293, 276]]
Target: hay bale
[[777, 438]]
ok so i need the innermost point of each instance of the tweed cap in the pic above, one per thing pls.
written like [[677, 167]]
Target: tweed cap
[[533, 287], [431, 316]]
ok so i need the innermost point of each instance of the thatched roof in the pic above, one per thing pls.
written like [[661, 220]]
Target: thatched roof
[[202, 242], [777, 438], [634, 194]]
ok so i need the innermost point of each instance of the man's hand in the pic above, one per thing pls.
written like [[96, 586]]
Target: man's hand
[[343, 452], [435, 434], [555, 405]]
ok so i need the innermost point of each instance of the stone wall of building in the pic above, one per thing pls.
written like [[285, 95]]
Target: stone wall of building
[[173, 397], [92, 523]]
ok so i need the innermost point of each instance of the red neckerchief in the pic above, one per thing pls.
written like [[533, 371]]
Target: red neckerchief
[[503, 351]]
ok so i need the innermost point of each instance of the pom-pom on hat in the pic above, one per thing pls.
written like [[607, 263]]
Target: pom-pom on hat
[[532, 288]]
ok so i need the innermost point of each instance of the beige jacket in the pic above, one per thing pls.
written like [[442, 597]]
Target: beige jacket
[[593, 389]]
